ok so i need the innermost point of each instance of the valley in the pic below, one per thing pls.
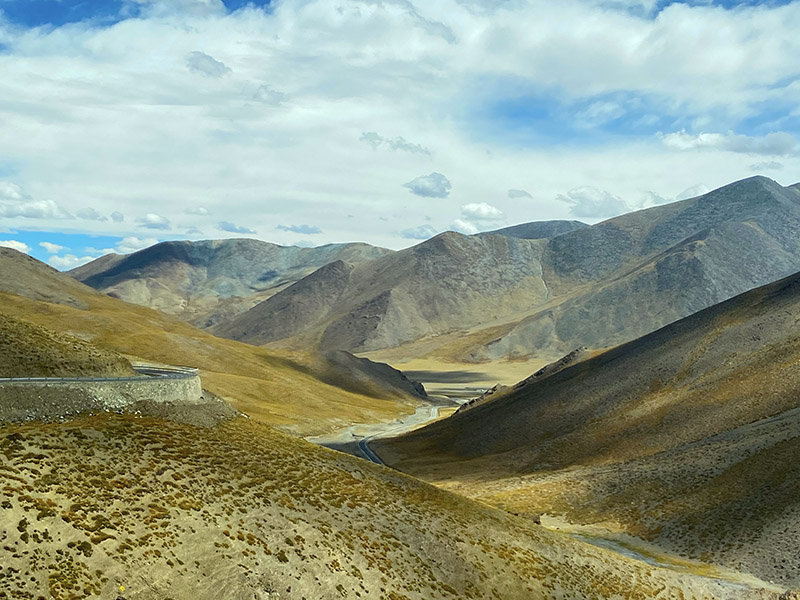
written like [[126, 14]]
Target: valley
[[663, 459]]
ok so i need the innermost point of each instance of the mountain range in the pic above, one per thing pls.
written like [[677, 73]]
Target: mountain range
[[203, 282], [493, 296], [172, 501]]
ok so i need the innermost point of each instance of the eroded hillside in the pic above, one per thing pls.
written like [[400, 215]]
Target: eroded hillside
[[206, 281]]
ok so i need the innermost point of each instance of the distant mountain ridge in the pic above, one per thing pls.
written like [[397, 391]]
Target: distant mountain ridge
[[504, 296], [538, 230], [202, 282]]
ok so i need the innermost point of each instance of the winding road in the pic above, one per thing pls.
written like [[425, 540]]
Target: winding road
[[149, 371], [412, 423]]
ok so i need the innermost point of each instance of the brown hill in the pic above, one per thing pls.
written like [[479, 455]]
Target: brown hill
[[294, 390], [203, 282], [27, 350], [115, 506], [682, 437], [450, 282]]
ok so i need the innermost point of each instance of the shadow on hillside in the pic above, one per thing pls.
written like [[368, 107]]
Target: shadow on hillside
[[446, 376]]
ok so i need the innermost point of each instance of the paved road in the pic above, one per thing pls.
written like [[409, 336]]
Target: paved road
[[369, 453], [160, 372]]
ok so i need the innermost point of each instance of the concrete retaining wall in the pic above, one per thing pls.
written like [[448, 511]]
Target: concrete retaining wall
[[55, 399]]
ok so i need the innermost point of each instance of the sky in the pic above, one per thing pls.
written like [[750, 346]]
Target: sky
[[307, 122]]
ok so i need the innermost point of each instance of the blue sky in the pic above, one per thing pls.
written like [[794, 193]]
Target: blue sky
[[126, 122], [55, 13]]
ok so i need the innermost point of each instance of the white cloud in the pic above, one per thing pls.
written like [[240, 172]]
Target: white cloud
[[51, 248], [592, 203], [304, 229], [230, 227], [202, 63], [693, 192], [196, 210], [89, 214], [98, 251], [433, 185], [117, 217], [19, 246], [11, 192], [399, 143], [153, 221], [423, 232], [769, 165], [15, 202], [480, 211], [268, 95], [133, 243], [463, 226], [519, 194], [68, 261], [772, 144]]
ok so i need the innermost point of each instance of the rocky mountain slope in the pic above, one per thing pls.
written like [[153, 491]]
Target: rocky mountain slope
[[293, 390], [118, 506], [506, 297], [682, 437], [28, 350], [447, 283], [201, 282]]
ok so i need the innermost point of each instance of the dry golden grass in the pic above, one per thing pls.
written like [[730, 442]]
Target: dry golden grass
[[114, 505], [277, 388], [28, 350]]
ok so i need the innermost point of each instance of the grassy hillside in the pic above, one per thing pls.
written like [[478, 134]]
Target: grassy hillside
[[682, 437], [144, 509], [27, 350], [293, 390]]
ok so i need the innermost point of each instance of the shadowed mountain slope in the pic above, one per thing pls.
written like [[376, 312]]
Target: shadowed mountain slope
[[143, 508], [297, 390], [594, 286], [681, 437], [202, 281]]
